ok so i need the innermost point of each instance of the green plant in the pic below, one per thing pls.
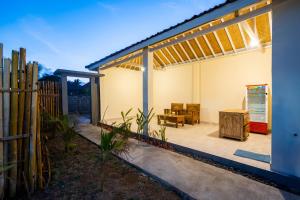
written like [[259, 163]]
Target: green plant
[[160, 134], [68, 132], [66, 127], [125, 125], [111, 143], [143, 121]]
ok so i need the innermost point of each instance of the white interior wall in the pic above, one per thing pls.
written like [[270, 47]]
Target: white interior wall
[[216, 84], [172, 85], [223, 81], [120, 90]]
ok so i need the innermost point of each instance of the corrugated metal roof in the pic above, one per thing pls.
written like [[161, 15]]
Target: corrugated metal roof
[[165, 30]]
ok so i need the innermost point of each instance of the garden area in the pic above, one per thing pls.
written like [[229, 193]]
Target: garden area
[[77, 175]]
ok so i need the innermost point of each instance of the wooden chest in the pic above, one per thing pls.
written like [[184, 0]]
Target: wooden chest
[[234, 124]]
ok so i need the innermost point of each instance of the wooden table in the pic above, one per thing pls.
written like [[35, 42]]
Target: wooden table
[[177, 119]]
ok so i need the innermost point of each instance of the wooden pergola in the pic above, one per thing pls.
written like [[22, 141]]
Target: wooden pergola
[[95, 91]]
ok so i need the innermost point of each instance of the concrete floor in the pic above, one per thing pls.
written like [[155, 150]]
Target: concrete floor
[[198, 179], [205, 137]]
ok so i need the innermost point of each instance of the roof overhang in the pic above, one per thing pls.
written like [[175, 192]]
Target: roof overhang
[[81, 74], [202, 19]]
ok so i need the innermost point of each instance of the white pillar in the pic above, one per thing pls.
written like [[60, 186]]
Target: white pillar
[[286, 87], [94, 101], [99, 95], [147, 83], [64, 91]]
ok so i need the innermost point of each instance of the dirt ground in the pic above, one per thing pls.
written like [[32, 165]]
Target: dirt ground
[[76, 176]]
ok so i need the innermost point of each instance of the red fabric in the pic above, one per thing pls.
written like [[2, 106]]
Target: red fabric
[[259, 127]]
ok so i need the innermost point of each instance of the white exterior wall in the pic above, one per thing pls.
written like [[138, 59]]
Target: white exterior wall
[[286, 87]]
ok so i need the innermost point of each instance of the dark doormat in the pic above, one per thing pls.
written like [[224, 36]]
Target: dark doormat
[[253, 156]]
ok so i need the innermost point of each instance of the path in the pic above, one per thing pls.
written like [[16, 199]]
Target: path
[[198, 179]]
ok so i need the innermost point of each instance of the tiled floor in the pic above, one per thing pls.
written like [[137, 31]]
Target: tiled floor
[[204, 137]]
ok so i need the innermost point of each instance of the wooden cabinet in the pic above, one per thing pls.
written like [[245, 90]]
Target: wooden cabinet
[[234, 124]]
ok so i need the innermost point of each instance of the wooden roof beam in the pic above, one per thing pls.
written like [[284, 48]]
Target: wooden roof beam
[[171, 54], [235, 20], [161, 61], [229, 37], [208, 44], [163, 54], [175, 50], [218, 40], [200, 47], [192, 49], [243, 35]]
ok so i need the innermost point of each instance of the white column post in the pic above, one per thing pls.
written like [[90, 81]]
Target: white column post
[[147, 83]]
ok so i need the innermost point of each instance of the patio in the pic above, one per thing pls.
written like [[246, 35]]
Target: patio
[[204, 137]]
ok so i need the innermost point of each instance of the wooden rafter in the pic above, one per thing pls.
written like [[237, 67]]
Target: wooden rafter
[[183, 50], [218, 40], [243, 35], [170, 54], [229, 37], [208, 44], [161, 61], [175, 50], [192, 49], [200, 47], [166, 57]]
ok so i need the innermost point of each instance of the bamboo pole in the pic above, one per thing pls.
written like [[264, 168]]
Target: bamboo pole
[[32, 151], [1, 125], [27, 118], [6, 112], [39, 148], [13, 123], [22, 84]]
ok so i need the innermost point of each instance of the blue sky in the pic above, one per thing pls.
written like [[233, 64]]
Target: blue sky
[[73, 33]]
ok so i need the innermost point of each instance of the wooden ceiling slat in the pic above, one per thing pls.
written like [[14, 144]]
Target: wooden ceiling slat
[[169, 55], [173, 52], [242, 32], [180, 52], [263, 28], [204, 46], [161, 58], [188, 50], [196, 48], [212, 41], [237, 38], [164, 55], [158, 60]]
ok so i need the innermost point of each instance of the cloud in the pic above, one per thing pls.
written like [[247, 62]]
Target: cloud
[[37, 28], [170, 5], [44, 41], [109, 7]]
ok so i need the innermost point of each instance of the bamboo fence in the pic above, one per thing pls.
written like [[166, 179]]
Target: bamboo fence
[[49, 93], [20, 139]]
